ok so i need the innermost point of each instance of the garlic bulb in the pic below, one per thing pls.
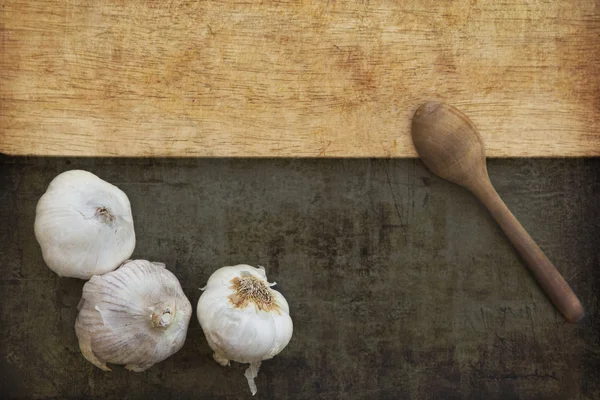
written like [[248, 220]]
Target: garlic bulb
[[243, 319], [83, 225], [137, 315]]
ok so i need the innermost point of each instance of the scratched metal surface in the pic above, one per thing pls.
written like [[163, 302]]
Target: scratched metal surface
[[400, 285]]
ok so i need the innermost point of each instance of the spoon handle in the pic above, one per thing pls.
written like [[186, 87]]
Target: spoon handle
[[543, 270]]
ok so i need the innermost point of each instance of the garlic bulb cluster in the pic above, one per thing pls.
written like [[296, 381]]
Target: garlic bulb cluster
[[84, 225], [243, 319], [137, 315]]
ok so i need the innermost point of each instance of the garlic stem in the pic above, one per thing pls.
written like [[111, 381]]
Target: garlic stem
[[250, 374], [162, 316], [104, 213]]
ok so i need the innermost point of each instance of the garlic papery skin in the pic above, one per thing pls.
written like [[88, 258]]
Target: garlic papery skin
[[84, 225], [243, 319], [137, 315]]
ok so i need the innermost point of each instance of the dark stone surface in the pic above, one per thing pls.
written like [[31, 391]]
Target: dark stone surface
[[400, 285]]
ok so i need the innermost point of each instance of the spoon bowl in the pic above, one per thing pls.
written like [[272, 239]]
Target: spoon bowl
[[448, 143]]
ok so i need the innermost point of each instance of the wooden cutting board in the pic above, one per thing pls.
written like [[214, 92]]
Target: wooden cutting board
[[294, 78]]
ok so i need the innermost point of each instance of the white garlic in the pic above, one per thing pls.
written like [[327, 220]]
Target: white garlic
[[84, 225], [243, 319], [137, 315]]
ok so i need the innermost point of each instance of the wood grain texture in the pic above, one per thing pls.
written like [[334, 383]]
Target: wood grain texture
[[294, 79]]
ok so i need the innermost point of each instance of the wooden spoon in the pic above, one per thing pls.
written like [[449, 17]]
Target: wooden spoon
[[451, 147]]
